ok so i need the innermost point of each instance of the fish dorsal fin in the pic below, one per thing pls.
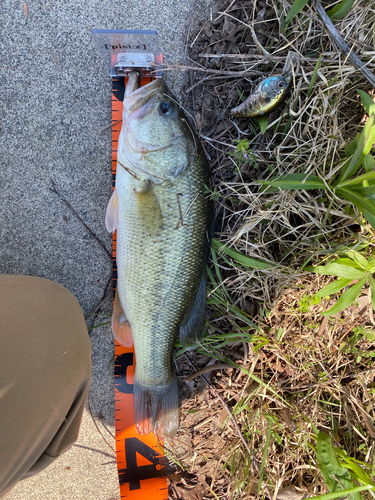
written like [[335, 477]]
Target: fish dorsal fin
[[120, 326], [112, 215]]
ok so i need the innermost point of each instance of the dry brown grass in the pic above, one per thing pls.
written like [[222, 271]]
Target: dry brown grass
[[300, 372]]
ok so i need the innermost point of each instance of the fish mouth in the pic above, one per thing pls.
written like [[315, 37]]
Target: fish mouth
[[139, 100], [134, 82], [134, 90]]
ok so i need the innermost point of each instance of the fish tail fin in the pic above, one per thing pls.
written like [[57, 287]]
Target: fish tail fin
[[142, 404], [156, 411], [193, 326], [120, 325]]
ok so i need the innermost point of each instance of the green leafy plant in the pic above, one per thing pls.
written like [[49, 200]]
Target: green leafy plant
[[339, 471], [243, 153], [353, 266], [263, 123], [238, 257], [338, 12], [358, 190], [336, 477], [297, 6], [360, 334], [306, 302], [214, 195]]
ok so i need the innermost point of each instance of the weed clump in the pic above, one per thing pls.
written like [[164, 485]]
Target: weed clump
[[287, 372]]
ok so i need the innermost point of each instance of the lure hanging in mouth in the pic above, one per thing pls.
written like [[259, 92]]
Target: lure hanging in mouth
[[265, 98]]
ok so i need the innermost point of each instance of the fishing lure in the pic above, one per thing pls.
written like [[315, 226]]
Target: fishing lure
[[266, 97]]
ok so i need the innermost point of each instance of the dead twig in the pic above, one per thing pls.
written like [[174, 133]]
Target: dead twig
[[342, 45], [54, 190], [206, 369], [104, 298], [96, 425], [261, 58], [110, 126], [98, 307], [323, 325], [218, 72]]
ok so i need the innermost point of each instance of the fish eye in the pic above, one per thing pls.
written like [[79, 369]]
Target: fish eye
[[166, 107], [281, 84]]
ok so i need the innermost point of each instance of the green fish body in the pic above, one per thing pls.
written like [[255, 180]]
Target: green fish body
[[163, 218]]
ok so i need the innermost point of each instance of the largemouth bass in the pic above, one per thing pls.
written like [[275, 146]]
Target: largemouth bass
[[163, 216], [269, 94]]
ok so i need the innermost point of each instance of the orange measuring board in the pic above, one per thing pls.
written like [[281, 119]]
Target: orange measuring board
[[140, 460]]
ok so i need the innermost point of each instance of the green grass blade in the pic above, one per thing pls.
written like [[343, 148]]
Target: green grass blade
[[359, 181], [263, 123], [343, 493], [348, 262], [340, 10], [265, 453], [372, 285], [317, 66], [219, 301], [352, 146], [239, 257], [365, 141], [297, 6], [361, 474], [333, 287], [344, 261], [218, 274], [347, 298], [366, 206], [367, 192], [341, 271], [367, 102], [211, 277], [295, 181], [358, 258], [181, 351], [369, 162], [240, 95], [98, 326]]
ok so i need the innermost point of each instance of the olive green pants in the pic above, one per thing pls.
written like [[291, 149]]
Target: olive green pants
[[45, 367]]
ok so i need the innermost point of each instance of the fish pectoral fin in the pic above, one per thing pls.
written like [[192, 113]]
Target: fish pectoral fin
[[120, 325], [156, 410], [149, 210], [112, 213], [193, 326]]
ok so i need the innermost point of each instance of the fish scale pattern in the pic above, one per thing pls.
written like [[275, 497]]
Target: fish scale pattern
[[164, 222], [160, 268]]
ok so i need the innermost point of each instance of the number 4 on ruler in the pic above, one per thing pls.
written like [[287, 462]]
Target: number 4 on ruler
[[134, 473]]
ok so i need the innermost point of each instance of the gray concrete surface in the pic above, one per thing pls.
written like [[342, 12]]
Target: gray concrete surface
[[55, 103]]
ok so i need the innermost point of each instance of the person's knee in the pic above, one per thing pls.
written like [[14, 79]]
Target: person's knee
[[45, 368]]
